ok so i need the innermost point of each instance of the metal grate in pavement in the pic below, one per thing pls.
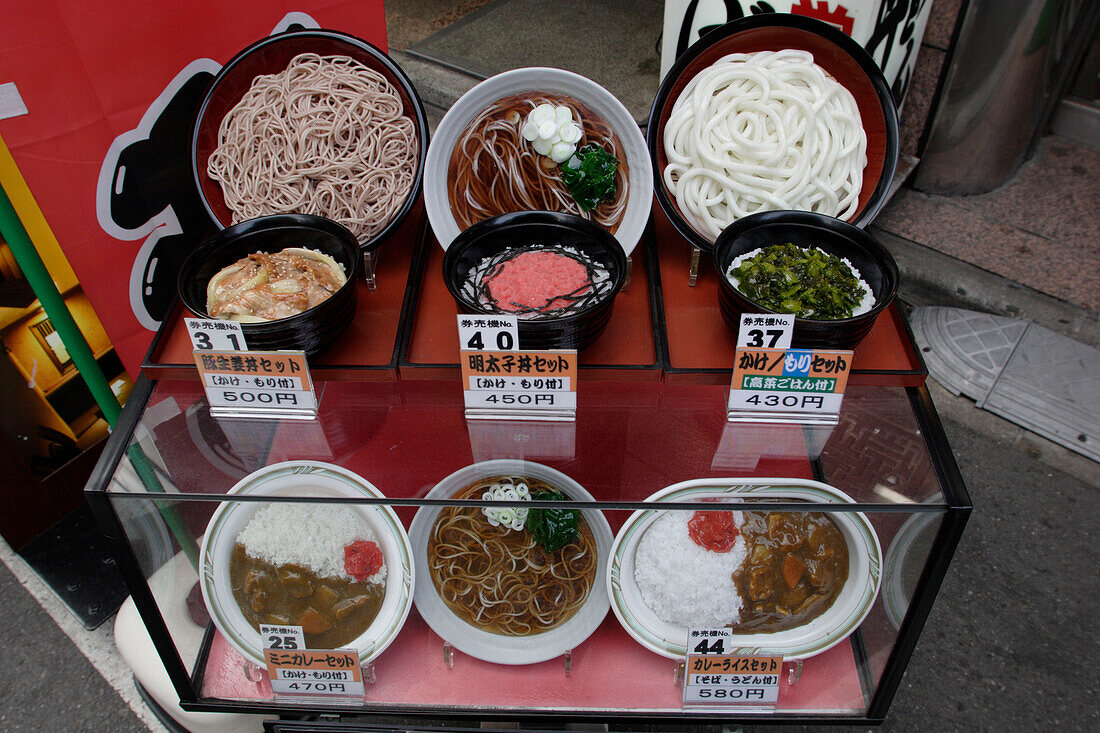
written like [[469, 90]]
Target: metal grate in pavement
[[965, 350], [1035, 377]]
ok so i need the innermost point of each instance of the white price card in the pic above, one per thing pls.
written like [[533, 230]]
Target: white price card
[[257, 383], [766, 330], [282, 637], [214, 335], [326, 674], [488, 333], [713, 675], [788, 385], [528, 385]]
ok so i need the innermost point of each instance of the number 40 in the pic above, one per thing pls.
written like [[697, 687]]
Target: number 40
[[504, 341]]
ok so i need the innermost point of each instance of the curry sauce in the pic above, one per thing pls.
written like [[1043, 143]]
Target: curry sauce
[[796, 565], [331, 611]]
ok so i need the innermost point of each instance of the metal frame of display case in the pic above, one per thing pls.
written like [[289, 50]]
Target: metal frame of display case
[[955, 509]]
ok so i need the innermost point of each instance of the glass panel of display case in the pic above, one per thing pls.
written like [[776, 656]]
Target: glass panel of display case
[[429, 644], [629, 441]]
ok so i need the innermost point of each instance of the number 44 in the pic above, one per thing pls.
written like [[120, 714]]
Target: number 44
[[716, 647]]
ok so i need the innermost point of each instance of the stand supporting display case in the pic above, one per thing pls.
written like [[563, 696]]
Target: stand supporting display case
[[169, 465]]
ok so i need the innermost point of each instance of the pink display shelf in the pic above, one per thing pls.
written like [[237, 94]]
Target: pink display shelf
[[610, 672]]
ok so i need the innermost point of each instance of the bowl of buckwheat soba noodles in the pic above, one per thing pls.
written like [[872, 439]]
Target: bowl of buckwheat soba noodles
[[538, 139], [510, 582], [312, 122]]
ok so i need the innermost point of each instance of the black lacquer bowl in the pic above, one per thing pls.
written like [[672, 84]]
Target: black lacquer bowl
[[873, 261], [313, 330], [272, 55], [539, 228]]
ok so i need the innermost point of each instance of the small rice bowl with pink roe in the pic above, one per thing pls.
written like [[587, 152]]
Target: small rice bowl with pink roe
[[538, 282]]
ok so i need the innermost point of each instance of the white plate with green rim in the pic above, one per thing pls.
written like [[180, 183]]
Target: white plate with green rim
[[812, 638], [496, 647], [305, 479]]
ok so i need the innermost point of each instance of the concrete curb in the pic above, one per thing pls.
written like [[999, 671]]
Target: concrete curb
[[929, 277]]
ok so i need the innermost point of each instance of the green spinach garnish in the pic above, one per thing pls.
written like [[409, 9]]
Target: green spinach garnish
[[553, 528], [806, 282], [590, 176]]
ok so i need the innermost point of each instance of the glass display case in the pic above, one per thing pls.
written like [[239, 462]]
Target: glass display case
[[884, 476]]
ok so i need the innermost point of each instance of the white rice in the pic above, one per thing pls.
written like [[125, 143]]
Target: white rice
[[311, 535], [866, 303], [683, 583]]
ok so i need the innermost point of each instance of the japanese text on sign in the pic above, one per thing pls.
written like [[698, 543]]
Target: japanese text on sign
[[264, 381], [488, 332], [712, 675], [788, 383], [214, 335], [520, 380], [329, 673], [772, 331]]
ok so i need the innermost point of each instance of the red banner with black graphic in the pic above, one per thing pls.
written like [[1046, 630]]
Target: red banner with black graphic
[[96, 101]]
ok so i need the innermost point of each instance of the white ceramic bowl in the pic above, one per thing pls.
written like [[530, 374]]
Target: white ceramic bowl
[[304, 479], [538, 79], [497, 647], [827, 630]]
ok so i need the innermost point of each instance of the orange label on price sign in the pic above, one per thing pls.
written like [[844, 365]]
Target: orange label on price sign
[[788, 385], [332, 673], [520, 380], [260, 381]]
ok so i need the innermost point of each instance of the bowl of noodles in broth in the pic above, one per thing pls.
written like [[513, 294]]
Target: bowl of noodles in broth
[[505, 583], [771, 112], [312, 122], [484, 159]]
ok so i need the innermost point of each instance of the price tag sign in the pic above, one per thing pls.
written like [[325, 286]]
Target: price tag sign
[[712, 675], [494, 333], [520, 385], [503, 383], [282, 637], [257, 383], [214, 335], [315, 673], [775, 383]]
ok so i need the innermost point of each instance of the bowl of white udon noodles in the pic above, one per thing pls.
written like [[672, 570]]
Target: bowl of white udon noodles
[[771, 112], [311, 122]]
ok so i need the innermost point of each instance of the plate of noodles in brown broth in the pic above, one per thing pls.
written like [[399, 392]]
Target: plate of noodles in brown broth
[[510, 584], [311, 122], [524, 140]]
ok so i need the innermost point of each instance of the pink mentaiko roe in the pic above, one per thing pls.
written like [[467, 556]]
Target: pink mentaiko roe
[[537, 279]]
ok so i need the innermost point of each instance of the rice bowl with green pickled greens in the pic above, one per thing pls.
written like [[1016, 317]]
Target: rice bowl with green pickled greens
[[810, 283], [685, 584]]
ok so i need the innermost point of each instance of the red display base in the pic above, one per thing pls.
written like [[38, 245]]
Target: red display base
[[626, 351], [701, 346], [367, 351]]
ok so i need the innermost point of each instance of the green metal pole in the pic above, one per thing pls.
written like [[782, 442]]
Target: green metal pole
[[39, 278], [48, 295], [148, 475]]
